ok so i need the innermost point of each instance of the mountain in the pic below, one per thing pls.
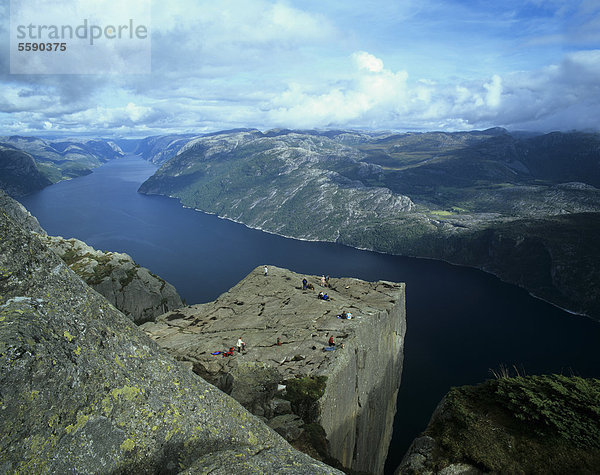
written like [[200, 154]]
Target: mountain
[[162, 148], [18, 172], [66, 158], [526, 208]]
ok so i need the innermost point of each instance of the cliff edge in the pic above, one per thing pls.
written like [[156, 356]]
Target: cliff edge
[[339, 400], [532, 424], [82, 389]]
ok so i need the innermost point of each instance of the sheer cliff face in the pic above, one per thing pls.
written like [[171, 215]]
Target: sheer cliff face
[[355, 398], [359, 403], [82, 389]]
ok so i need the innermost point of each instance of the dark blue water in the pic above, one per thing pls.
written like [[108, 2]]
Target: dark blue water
[[460, 322]]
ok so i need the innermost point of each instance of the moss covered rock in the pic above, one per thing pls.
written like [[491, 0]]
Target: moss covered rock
[[535, 424]]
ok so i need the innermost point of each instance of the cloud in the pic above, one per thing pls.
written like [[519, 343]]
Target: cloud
[[434, 64]]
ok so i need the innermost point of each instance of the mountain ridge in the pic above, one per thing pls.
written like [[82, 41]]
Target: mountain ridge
[[418, 194]]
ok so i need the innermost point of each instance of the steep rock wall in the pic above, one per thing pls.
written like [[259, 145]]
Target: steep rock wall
[[359, 404]]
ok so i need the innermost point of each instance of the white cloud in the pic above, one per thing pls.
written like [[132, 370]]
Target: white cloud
[[367, 61], [270, 63]]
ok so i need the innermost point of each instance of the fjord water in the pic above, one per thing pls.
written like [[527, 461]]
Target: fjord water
[[460, 322]]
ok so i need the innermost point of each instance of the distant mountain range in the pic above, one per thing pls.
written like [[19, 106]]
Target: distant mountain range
[[526, 208], [28, 164]]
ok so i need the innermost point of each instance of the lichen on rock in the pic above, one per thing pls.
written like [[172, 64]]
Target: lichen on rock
[[81, 388]]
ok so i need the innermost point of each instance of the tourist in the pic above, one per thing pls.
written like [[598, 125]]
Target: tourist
[[241, 346], [304, 283], [323, 281], [266, 271], [331, 342], [320, 296]]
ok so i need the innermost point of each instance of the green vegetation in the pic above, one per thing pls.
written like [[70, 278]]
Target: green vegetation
[[304, 393], [129, 276], [535, 424]]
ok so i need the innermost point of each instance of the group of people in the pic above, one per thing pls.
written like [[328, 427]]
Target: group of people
[[239, 346]]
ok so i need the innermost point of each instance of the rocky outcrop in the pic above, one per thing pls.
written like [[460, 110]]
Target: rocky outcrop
[[17, 212], [533, 424], [133, 289], [83, 390], [340, 401]]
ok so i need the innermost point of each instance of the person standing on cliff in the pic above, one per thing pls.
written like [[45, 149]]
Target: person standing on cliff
[[266, 271], [304, 283], [241, 346], [323, 281]]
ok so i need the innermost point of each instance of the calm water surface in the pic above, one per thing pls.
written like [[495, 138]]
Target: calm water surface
[[460, 322]]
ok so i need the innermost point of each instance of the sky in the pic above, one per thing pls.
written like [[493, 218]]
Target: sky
[[404, 65]]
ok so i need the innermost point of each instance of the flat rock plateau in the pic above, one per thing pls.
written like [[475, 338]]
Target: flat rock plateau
[[346, 394]]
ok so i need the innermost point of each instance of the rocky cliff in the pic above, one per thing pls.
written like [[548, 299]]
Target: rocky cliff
[[134, 290], [534, 424], [338, 402], [83, 390]]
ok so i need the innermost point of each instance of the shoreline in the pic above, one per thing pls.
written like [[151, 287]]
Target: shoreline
[[529, 292]]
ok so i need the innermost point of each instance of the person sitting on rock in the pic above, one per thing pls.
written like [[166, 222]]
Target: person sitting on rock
[[320, 296], [241, 346], [331, 342], [325, 297]]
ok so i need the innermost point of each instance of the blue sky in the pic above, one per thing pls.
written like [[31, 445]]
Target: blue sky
[[394, 65]]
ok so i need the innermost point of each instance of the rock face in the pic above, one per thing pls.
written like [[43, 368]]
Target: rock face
[[134, 290], [83, 390], [18, 173], [349, 392], [17, 212], [531, 424]]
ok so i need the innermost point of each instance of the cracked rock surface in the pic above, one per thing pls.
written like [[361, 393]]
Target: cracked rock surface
[[358, 403]]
